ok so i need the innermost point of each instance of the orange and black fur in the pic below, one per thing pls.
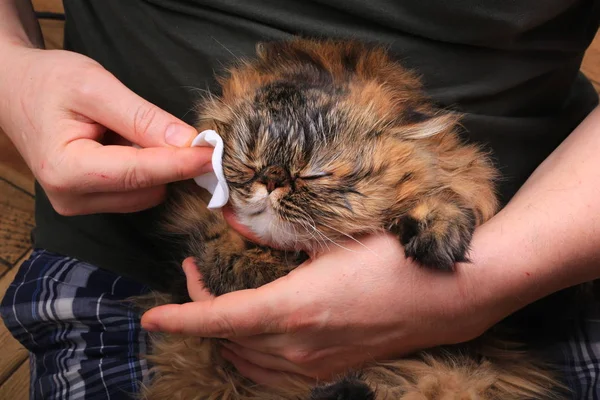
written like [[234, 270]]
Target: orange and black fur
[[326, 140]]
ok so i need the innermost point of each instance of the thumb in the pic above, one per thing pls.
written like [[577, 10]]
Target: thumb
[[111, 104], [236, 314], [195, 287]]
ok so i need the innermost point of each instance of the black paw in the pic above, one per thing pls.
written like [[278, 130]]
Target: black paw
[[346, 389], [436, 243]]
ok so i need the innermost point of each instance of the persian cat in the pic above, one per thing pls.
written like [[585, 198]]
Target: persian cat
[[324, 140]]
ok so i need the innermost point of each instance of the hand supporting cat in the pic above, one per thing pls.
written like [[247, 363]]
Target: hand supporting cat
[[327, 146], [287, 325]]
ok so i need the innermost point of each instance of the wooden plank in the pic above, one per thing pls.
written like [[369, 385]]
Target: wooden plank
[[53, 32], [12, 166], [591, 62], [13, 354], [17, 386], [7, 278], [48, 6], [16, 222]]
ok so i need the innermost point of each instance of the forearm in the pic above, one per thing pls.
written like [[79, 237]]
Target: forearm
[[548, 237], [18, 24]]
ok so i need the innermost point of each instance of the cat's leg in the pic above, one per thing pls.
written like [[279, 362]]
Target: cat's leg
[[437, 231], [225, 259], [230, 263]]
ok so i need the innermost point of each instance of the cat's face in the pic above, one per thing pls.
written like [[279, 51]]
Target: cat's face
[[291, 172], [310, 158]]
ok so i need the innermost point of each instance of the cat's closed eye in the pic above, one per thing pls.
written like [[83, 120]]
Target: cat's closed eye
[[315, 176]]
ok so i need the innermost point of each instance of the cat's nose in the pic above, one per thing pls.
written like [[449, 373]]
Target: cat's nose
[[274, 177]]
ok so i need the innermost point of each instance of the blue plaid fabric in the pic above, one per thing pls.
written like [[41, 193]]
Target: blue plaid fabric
[[580, 359], [86, 342], [84, 339]]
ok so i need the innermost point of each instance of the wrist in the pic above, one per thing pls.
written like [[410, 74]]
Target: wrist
[[510, 269], [18, 24]]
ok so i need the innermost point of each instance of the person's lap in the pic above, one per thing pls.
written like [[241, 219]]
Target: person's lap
[[579, 359], [86, 342], [84, 337]]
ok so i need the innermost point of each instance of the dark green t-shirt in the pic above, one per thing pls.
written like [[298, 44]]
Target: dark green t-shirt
[[511, 66]]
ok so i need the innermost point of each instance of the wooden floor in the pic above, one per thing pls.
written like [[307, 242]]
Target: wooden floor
[[16, 222], [16, 217]]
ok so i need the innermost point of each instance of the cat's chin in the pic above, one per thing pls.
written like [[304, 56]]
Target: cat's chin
[[273, 231]]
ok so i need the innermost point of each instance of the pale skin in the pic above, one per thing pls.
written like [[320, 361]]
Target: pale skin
[[57, 108], [341, 308]]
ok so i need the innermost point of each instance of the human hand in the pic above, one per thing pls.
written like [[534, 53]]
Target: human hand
[[346, 307], [339, 310], [62, 111]]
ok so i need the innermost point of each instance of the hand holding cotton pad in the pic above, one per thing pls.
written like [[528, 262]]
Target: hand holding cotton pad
[[214, 181]]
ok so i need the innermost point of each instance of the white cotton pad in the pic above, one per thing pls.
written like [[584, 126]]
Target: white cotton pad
[[214, 181]]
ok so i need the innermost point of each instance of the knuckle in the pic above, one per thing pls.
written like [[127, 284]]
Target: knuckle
[[83, 80], [224, 327], [63, 207], [52, 182], [55, 173], [66, 211], [180, 171], [299, 356], [143, 118], [133, 178]]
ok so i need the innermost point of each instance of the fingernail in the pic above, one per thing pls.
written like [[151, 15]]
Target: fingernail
[[178, 135]]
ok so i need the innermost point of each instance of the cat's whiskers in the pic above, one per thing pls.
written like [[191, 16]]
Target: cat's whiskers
[[316, 238], [225, 47], [206, 95], [352, 238], [313, 226], [203, 91], [323, 235]]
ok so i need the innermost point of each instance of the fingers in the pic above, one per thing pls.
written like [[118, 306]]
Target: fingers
[[292, 355], [262, 376], [264, 360], [96, 203], [110, 103], [241, 313], [91, 167]]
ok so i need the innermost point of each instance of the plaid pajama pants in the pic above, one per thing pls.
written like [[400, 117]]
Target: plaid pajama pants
[[86, 342]]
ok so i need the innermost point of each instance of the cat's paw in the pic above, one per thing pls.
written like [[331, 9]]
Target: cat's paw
[[348, 388], [438, 238], [226, 271]]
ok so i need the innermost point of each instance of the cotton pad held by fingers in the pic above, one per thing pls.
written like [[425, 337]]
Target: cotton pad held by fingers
[[214, 181]]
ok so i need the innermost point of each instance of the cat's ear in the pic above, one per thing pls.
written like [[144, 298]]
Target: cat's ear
[[415, 124]]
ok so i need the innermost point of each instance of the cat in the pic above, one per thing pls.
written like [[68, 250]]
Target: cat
[[325, 140]]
